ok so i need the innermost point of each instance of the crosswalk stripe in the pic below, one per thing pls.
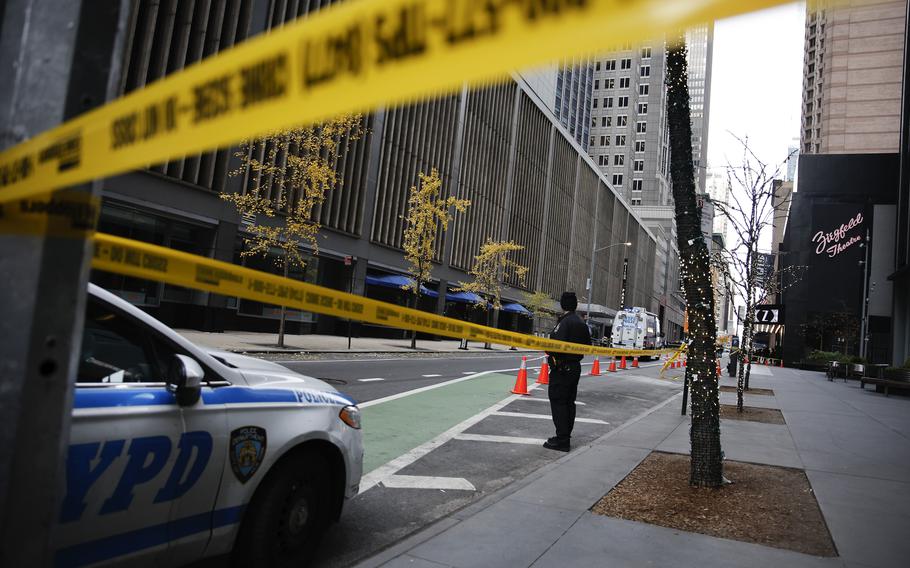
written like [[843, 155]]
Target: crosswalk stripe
[[502, 439], [427, 482], [546, 417]]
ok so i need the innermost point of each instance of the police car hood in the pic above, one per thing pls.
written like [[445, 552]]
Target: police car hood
[[261, 372]]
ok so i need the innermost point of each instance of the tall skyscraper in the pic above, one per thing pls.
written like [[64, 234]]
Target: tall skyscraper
[[629, 138], [573, 99], [853, 69]]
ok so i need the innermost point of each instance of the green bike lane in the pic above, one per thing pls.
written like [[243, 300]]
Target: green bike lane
[[394, 427]]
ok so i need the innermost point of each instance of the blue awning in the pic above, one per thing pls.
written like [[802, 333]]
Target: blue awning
[[464, 297], [398, 281], [515, 308]]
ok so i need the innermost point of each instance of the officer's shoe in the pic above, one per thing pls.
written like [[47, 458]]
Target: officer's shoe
[[555, 444]]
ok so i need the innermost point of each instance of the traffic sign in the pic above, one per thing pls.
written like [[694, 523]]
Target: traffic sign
[[769, 313]]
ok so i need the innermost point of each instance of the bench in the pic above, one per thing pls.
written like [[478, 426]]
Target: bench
[[886, 383]]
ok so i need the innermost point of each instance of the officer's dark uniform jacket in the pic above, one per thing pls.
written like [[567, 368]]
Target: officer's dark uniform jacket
[[572, 329]]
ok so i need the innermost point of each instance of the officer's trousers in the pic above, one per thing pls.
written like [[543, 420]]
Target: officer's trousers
[[562, 391]]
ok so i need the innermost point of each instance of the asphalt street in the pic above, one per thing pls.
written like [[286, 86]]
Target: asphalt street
[[370, 379], [442, 433]]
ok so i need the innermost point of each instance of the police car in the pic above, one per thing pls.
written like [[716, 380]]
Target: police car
[[177, 453]]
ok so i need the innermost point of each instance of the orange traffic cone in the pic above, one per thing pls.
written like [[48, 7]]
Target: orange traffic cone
[[635, 362], [622, 363], [613, 365], [781, 363], [595, 368], [718, 367], [685, 362], [521, 382], [544, 377]]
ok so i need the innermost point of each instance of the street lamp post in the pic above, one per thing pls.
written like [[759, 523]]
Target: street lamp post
[[591, 277]]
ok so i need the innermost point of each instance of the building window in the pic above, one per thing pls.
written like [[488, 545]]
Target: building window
[[620, 140], [645, 71], [619, 160], [637, 184], [608, 102], [638, 166], [600, 160], [591, 140], [617, 180], [623, 102], [622, 120], [593, 122], [603, 122], [608, 122], [608, 83], [610, 65], [597, 66], [641, 127], [642, 108], [643, 90], [604, 140], [623, 82], [596, 83], [595, 102], [639, 145], [646, 53], [636, 201], [626, 64]]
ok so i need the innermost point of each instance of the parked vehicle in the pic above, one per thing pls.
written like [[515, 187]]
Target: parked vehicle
[[178, 453], [637, 328]]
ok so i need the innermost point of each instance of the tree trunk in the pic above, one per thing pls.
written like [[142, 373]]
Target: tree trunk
[[415, 301], [283, 309], [489, 324], [706, 466]]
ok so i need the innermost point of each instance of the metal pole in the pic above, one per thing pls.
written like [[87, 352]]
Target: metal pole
[[865, 307], [61, 59], [625, 276]]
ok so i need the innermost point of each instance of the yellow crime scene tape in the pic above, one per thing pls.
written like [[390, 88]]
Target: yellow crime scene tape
[[143, 260], [352, 57]]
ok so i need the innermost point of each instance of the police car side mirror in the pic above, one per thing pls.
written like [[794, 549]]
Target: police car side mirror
[[184, 379]]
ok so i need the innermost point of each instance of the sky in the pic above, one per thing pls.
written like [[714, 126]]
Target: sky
[[756, 84]]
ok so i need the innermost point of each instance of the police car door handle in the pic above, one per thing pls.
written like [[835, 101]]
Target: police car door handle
[[184, 379]]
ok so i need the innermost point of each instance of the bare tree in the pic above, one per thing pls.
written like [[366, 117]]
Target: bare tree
[[750, 212], [706, 464]]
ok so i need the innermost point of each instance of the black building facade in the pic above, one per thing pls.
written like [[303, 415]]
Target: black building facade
[[841, 230]]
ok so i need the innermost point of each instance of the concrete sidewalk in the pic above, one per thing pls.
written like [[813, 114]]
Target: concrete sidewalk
[[854, 446], [253, 342]]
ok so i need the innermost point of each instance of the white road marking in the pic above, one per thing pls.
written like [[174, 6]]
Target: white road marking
[[391, 468], [500, 439], [370, 380], [426, 482], [577, 403], [430, 376], [547, 417], [430, 387], [468, 372]]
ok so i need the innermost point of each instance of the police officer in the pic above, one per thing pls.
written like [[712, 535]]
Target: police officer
[[565, 372]]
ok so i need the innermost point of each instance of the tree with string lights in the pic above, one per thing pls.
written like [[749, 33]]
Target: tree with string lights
[[706, 464], [750, 212]]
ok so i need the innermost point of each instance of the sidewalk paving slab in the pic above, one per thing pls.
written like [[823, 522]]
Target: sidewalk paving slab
[[596, 540], [868, 518], [752, 442]]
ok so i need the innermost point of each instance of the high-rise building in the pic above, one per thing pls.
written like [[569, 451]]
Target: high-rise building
[[852, 77], [847, 221], [629, 137], [574, 83], [700, 43], [717, 186]]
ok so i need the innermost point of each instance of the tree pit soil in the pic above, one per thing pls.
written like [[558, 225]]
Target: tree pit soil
[[767, 505], [752, 414], [762, 392]]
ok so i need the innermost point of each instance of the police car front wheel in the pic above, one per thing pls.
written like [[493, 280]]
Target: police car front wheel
[[287, 516]]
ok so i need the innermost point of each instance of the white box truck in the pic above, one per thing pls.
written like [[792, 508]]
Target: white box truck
[[637, 328]]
